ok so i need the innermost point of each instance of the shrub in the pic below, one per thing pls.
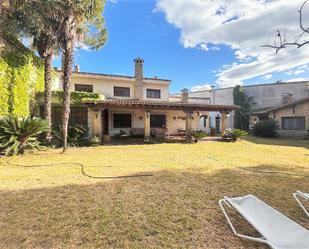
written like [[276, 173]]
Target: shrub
[[233, 134], [212, 131], [77, 136], [197, 134], [95, 141], [266, 128], [18, 135]]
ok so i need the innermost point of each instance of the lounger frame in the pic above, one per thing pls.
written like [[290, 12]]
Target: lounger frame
[[226, 202], [301, 194]]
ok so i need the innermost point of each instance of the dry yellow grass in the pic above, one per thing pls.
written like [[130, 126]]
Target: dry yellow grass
[[177, 207]]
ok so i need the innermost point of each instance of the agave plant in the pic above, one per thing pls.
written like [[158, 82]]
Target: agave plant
[[18, 135], [233, 134], [77, 136], [197, 134]]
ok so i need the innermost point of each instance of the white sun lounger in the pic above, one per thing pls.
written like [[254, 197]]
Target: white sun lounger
[[305, 196], [277, 230]]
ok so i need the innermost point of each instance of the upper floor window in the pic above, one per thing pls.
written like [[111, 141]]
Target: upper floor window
[[83, 88], [293, 123], [121, 91], [153, 93]]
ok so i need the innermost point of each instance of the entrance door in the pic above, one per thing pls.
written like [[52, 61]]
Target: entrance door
[[105, 125], [217, 124]]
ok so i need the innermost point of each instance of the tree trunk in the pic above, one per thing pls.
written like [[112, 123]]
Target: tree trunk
[[48, 93], [67, 71]]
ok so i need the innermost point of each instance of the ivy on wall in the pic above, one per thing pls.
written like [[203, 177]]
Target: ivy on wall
[[21, 75], [245, 104], [77, 98]]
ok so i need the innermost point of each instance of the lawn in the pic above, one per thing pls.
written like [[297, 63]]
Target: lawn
[[56, 206]]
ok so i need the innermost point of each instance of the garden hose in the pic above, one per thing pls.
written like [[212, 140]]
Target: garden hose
[[254, 170], [82, 169]]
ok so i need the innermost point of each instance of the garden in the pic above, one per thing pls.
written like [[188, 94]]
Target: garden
[[53, 200]]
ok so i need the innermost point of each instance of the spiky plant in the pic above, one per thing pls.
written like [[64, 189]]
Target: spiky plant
[[197, 134], [18, 135], [233, 134]]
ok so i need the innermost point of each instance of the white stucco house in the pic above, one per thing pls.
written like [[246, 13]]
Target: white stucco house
[[136, 104]]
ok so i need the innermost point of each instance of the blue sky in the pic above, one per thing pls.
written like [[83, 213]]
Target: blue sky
[[183, 48]]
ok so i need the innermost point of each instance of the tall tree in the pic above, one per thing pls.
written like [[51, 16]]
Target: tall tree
[[245, 104], [81, 21]]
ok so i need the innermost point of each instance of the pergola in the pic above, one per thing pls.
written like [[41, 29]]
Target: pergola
[[147, 106]]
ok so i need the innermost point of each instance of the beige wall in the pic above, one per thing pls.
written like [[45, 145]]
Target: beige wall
[[105, 85], [299, 110], [174, 120]]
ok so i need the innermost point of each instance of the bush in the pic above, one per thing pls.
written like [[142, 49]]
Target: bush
[[233, 134], [197, 134], [212, 131], [95, 141], [77, 136], [266, 128], [18, 135]]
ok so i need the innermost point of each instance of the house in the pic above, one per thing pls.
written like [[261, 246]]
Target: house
[[267, 97], [134, 104], [293, 117]]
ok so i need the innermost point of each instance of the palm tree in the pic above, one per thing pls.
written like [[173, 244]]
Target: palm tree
[[79, 19]]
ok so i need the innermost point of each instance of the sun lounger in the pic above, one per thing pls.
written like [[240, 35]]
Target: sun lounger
[[305, 196], [277, 230]]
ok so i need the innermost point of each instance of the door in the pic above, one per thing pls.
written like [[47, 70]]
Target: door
[[105, 123], [217, 124]]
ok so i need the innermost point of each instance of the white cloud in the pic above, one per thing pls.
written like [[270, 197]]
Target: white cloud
[[298, 70], [215, 48], [296, 79], [244, 26], [200, 87], [267, 77]]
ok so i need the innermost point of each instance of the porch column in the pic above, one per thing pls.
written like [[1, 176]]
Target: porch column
[[188, 125], [223, 121], [147, 124]]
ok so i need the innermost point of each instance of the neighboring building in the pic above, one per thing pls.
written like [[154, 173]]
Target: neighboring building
[[266, 98], [134, 104], [293, 117]]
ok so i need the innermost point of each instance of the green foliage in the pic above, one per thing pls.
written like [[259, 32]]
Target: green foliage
[[266, 128], [77, 98], [212, 131], [245, 103], [197, 134], [95, 141], [77, 136], [21, 74], [18, 135], [233, 134]]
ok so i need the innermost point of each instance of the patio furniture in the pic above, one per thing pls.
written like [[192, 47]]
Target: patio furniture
[[277, 230], [137, 132], [122, 135], [181, 132], [158, 134], [304, 196]]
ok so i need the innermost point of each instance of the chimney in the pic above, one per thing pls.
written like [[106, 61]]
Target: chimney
[[138, 86], [185, 95], [76, 68]]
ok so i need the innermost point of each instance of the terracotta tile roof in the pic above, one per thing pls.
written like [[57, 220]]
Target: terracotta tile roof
[[148, 104]]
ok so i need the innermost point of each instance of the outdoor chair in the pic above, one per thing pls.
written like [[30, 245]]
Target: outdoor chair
[[304, 196], [277, 230]]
